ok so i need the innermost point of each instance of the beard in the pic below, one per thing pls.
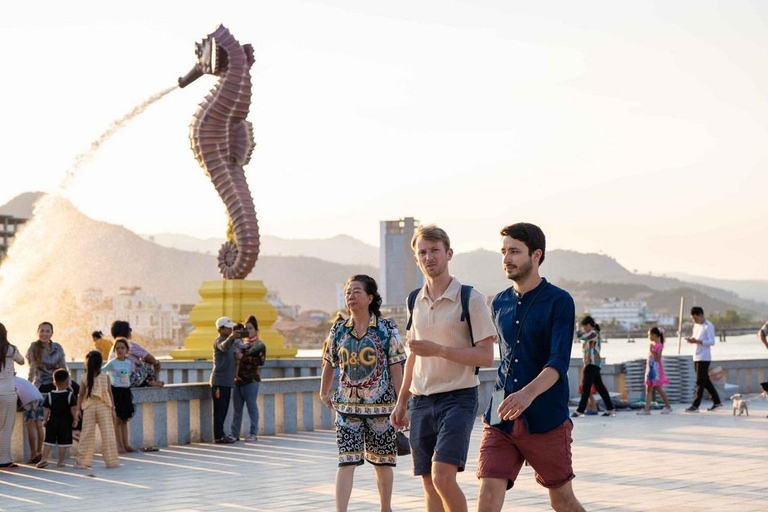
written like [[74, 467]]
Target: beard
[[521, 273]]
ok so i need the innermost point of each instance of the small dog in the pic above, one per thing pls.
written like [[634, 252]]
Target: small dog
[[740, 404]]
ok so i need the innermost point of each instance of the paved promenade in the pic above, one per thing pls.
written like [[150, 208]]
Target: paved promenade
[[706, 461]]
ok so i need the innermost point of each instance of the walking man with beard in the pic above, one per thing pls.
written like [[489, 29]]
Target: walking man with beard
[[440, 374], [535, 322]]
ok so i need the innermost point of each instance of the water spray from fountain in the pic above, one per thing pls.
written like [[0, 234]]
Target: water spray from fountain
[[27, 297]]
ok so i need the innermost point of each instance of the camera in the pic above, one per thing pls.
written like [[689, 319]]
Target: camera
[[244, 334]]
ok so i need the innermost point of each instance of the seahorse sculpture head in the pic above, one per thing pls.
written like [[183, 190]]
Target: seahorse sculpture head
[[222, 141]]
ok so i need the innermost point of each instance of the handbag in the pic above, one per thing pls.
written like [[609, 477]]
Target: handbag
[[499, 395], [403, 444]]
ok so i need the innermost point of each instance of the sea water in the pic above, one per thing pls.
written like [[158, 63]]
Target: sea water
[[746, 346]]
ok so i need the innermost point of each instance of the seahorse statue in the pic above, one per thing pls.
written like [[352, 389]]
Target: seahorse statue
[[222, 141]]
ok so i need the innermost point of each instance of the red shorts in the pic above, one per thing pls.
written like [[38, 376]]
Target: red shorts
[[549, 454]]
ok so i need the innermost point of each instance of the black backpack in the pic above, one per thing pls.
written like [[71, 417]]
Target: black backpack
[[466, 291]]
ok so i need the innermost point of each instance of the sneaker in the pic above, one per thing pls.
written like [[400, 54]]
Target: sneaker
[[715, 406], [225, 440], [692, 409], [590, 412], [666, 410], [251, 439], [643, 412], [577, 414], [612, 412]]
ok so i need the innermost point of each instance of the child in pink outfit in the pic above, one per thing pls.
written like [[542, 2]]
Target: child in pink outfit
[[655, 380]]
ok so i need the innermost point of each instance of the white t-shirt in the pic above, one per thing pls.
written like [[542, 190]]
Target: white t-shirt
[[705, 333], [26, 391]]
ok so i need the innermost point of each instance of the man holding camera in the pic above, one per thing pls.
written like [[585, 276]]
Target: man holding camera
[[223, 376], [530, 423]]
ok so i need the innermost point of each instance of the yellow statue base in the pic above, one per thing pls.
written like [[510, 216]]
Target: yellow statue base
[[237, 299]]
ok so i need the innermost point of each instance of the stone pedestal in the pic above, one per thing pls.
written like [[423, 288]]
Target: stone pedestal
[[237, 299]]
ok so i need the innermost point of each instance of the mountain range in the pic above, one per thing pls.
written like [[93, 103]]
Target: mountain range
[[90, 253]]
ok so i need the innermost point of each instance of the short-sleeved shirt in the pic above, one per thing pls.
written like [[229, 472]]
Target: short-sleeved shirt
[[591, 347], [26, 391], [135, 353], [119, 372], [365, 382], [439, 321], [546, 337], [104, 346], [50, 360], [60, 403]]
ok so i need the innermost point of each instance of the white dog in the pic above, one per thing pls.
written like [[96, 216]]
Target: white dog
[[740, 404]]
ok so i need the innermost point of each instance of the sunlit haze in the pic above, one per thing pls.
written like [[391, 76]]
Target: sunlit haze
[[633, 129]]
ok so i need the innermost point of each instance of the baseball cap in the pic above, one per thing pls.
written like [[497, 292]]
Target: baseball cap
[[224, 322]]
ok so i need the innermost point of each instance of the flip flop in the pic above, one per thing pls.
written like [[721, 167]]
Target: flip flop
[[41, 464]]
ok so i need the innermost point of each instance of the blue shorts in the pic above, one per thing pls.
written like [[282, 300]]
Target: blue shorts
[[34, 411], [441, 425]]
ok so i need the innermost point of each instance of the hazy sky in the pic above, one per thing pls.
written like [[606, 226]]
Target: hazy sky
[[633, 128]]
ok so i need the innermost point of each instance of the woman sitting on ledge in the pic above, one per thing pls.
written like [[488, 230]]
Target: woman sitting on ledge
[[145, 369]]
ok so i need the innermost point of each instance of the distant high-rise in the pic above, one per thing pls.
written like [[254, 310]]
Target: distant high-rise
[[398, 273]]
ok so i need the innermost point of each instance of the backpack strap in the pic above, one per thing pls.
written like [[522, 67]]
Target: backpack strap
[[410, 305], [466, 292]]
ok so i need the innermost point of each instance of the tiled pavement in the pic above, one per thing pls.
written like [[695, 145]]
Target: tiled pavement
[[706, 461]]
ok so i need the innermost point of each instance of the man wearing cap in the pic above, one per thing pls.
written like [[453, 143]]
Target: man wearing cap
[[223, 376]]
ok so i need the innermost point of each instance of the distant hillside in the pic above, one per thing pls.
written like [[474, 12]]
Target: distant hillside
[[589, 295], [74, 252], [342, 249], [749, 289], [22, 205], [601, 276]]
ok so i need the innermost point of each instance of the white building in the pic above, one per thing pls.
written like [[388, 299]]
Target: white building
[[627, 313], [148, 317], [659, 319]]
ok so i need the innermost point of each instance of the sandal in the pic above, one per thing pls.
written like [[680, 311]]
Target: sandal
[[41, 464], [77, 465]]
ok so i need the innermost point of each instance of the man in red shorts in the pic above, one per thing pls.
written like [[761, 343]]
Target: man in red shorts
[[535, 323]]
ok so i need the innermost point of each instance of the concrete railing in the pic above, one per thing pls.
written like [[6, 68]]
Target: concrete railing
[[181, 413], [746, 374], [184, 372]]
